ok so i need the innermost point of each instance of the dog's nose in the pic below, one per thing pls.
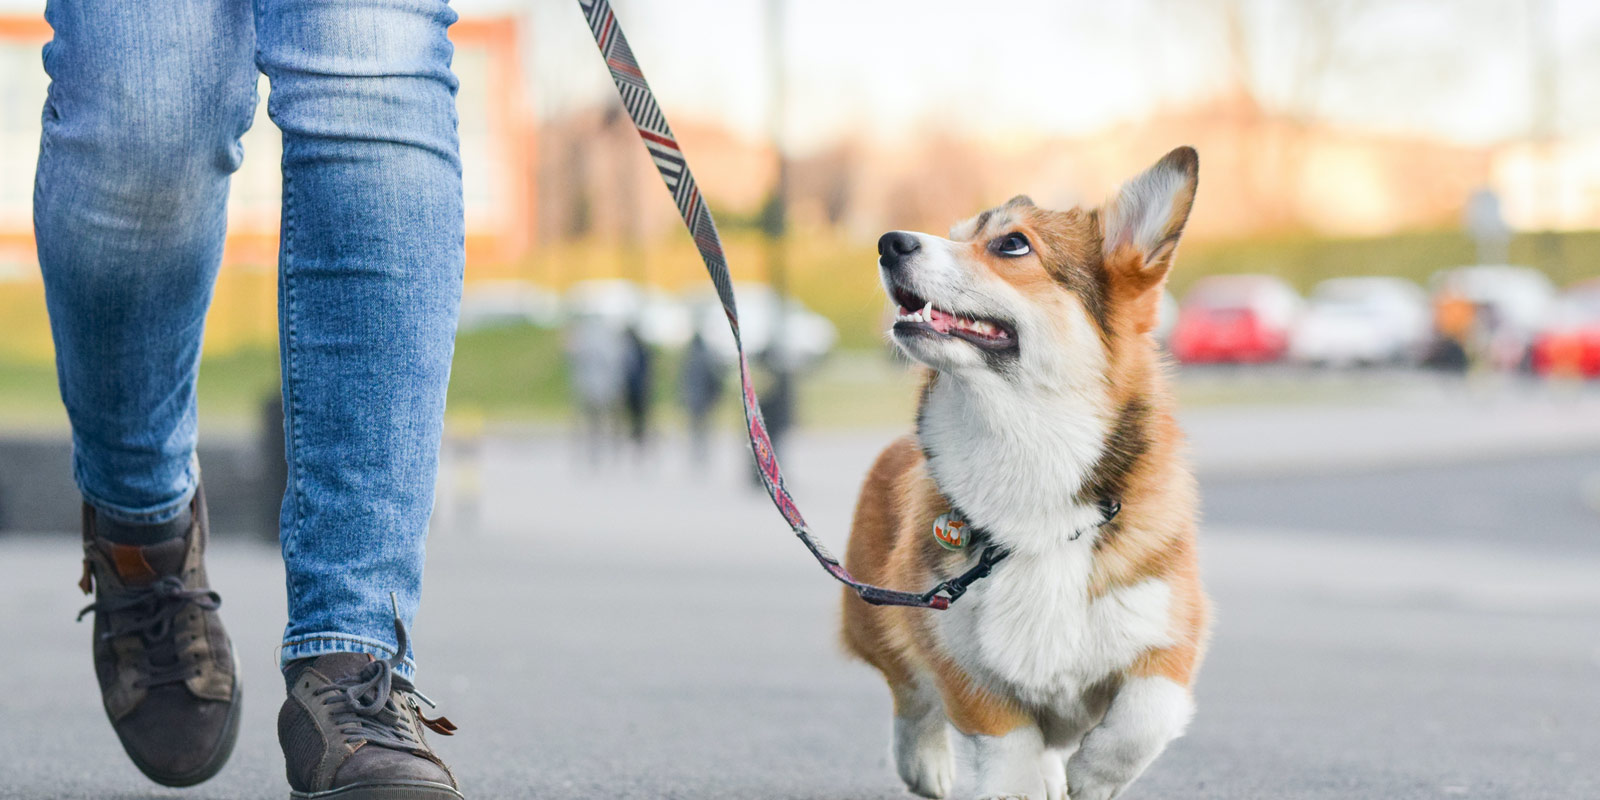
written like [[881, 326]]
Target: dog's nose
[[894, 247]]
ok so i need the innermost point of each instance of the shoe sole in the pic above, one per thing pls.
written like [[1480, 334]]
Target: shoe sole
[[218, 759], [388, 790]]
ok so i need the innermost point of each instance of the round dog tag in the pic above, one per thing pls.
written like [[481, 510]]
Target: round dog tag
[[950, 532]]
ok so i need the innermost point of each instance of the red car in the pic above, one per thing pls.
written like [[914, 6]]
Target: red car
[[1570, 345], [1242, 319]]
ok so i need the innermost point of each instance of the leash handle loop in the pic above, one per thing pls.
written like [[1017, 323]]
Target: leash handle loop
[[658, 139]]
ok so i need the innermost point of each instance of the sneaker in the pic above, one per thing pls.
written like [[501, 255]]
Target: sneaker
[[166, 669], [351, 729]]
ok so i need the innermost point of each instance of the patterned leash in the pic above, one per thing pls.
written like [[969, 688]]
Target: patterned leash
[[658, 139]]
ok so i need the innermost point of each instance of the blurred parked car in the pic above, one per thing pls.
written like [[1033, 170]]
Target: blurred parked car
[[1507, 307], [1235, 318], [1361, 321], [660, 318], [492, 304], [808, 336], [1569, 345]]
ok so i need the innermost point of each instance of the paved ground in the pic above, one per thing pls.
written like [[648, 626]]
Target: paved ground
[[1427, 631]]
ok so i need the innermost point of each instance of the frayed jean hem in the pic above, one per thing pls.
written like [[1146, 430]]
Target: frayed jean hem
[[321, 644]]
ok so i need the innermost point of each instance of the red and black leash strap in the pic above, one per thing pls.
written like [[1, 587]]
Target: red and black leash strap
[[663, 147]]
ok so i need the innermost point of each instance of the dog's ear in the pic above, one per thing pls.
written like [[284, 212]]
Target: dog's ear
[[1142, 223]]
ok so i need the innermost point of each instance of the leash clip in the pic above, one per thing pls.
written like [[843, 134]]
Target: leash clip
[[957, 586]]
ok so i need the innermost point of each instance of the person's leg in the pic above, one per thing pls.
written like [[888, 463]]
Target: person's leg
[[146, 106], [370, 283]]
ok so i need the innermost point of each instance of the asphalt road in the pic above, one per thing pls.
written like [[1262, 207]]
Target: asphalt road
[[1548, 504], [643, 631]]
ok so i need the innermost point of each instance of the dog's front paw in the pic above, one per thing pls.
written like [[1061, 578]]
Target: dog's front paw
[[1055, 777], [928, 768], [929, 777], [1092, 790], [923, 757]]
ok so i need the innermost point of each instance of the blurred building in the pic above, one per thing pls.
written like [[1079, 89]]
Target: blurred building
[[1264, 172], [596, 180], [1553, 186], [22, 90], [575, 197]]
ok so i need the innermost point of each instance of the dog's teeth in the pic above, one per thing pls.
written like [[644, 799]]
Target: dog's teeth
[[927, 310]]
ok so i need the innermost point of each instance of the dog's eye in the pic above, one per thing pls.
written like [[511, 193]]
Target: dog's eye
[[1013, 244]]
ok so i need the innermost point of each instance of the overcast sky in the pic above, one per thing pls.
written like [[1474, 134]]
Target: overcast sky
[[1462, 69]]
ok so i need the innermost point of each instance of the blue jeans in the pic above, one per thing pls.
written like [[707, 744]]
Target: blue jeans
[[141, 132]]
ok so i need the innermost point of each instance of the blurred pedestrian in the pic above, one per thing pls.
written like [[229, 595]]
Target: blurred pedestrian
[[141, 131], [700, 383], [1454, 320], [777, 404], [595, 361], [638, 380]]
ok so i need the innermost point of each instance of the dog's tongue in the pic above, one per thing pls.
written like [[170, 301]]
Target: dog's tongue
[[941, 321]]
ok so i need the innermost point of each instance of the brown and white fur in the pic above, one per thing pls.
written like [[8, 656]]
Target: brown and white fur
[[1070, 667]]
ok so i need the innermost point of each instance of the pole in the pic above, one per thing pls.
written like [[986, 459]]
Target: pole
[[775, 227], [1543, 124], [775, 220]]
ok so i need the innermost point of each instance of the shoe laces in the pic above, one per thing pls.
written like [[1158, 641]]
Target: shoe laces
[[151, 612], [370, 707]]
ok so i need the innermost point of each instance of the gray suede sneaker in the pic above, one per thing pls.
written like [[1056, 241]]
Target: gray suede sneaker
[[351, 729], [167, 675]]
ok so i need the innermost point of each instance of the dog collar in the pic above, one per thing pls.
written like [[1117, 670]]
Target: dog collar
[[954, 531], [994, 554]]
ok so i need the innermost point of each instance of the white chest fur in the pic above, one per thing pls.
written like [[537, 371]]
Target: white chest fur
[[1014, 461], [1031, 631], [1014, 465]]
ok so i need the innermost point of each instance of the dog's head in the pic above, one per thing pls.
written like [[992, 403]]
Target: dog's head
[[1021, 290]]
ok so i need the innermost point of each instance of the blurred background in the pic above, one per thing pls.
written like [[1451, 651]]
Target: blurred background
[[1384, 321]]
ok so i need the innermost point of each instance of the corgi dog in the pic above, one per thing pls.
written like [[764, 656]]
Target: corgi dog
[[1045, 429]]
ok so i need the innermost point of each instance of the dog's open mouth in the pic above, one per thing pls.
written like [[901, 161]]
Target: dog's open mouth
[[917, 315]]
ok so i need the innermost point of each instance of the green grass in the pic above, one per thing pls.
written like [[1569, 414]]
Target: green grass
[[505, 373], [515, 372], [29, 398], [234, 388], [519, 374], [231, 391], [512, 374], [855, 389]]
